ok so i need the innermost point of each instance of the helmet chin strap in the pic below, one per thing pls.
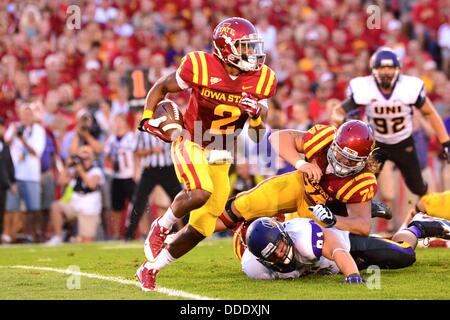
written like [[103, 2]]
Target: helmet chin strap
[[396, 74], [289, 256], [217, 52]]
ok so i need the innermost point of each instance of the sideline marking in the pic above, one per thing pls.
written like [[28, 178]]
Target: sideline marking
[[167, 291]]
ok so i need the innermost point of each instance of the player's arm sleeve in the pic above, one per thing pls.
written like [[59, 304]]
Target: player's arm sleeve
[[271, 86], [421, 98], [181, 83], [189, 73], [265, 83], [317, 139], [308, 238], [349, 104]]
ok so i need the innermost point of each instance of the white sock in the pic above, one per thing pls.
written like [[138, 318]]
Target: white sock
[[168, 219], [163, 259]]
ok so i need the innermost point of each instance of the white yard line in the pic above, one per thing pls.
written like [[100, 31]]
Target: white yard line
[[167, 291]]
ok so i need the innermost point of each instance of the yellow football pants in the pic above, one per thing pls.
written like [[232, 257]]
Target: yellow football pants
[[194, 171], [279, 194], [437, 204]]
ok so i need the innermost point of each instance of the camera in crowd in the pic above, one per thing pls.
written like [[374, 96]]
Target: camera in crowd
[[88, 124], [75, 160], [85, 123], [20, 130], [85, 128]]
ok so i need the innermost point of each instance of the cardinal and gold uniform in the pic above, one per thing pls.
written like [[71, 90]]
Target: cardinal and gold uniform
[[294, 192], [437, 204], [212, 118]]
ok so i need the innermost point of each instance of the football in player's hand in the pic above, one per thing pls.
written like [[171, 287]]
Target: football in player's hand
[[172, 127]]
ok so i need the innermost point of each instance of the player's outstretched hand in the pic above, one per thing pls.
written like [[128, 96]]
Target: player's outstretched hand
[[312, 170], [250, 105], [323, 214]]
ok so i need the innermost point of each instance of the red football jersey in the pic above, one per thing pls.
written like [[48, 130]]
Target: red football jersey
[[332, 190], [213, 110]]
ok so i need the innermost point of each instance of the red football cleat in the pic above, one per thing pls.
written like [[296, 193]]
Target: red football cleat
[[155, 240], [146, 278]]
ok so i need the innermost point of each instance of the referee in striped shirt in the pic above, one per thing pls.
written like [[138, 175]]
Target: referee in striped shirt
[[157, 169]]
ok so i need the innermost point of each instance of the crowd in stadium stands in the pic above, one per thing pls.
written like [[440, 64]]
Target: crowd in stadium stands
[[67, 78]]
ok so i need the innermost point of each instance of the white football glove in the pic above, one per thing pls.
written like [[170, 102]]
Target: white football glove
[[156, 122], [152, 126], [323, 214]]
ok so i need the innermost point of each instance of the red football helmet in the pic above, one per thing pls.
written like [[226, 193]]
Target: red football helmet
[[237, 42], [350, 149]]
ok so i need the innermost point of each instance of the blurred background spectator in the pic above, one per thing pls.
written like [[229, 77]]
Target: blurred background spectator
[[7, 179], [119, 152], [157, 169], [84, 76], [81, 201], [27, 141]]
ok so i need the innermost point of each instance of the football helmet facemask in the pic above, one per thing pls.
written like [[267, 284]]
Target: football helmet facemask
[[237, 42]]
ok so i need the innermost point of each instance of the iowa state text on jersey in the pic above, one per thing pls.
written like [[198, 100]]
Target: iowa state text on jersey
[[213, 116]]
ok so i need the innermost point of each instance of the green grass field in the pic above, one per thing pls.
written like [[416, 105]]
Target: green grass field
[[209, 271]]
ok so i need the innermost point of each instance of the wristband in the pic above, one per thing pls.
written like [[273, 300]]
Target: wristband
[[255, 122], [148, 114], [299, 163]]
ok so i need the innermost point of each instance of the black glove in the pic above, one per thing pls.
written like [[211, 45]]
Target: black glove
[[445, 154]]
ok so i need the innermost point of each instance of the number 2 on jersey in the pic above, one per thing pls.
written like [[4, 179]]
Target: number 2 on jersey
[[224, 125]]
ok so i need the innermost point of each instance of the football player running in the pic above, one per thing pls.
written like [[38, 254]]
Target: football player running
[[227, 88], [335, 173], [298, 247], [389, 99]]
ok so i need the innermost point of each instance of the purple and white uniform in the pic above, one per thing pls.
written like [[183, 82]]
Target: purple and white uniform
[[307, 238]]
